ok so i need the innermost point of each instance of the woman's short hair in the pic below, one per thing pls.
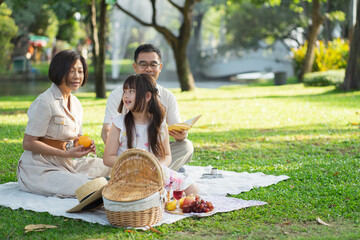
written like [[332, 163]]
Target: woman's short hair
[[61, 64]]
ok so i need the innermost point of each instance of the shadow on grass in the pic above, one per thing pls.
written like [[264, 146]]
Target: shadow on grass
[[303, 131], [29, 98], [332, 95], [14, 111]]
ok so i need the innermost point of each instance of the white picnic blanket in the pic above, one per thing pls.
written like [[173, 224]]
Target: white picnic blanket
[[213, 190]]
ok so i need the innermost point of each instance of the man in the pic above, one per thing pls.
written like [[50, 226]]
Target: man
[[147, 60]]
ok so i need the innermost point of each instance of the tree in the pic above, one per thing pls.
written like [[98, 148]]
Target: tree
[[95, 13], [99, 46], [276, 23], [201, 9], [352, 74], [178, 43], [317, 20], [8, 30], [24, 13], [46, 23]]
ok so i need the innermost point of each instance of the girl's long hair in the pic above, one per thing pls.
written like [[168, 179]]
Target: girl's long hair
[[143, 84]]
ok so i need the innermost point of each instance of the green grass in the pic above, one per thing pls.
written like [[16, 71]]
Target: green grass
[[292, 130]]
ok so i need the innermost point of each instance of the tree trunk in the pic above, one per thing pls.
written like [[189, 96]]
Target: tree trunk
[[352, 74], [317, 20], [94, 36], [98, 39], [100, 77], [352, 17], [194, 44], [183, 69]]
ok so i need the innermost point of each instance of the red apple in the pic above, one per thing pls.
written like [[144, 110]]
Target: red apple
[[188, 200]]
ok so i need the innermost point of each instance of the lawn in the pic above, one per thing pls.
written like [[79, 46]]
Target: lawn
[[292, 130]]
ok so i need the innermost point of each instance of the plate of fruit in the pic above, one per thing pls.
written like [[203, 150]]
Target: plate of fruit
[[190, 205]]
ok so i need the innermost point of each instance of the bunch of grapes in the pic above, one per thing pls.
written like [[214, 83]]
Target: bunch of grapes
[[198, 206]]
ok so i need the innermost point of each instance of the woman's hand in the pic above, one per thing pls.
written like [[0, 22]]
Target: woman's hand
[[34, 145], [79, 151], [92, 146]]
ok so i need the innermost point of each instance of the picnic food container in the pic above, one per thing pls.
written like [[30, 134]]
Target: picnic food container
[[135, 194]]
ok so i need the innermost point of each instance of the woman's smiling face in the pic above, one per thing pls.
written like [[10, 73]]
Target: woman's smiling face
[[75, 77]]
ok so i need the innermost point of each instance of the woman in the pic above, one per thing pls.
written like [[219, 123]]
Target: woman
[[49, 165]]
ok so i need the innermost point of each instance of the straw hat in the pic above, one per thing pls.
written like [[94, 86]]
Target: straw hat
[[89, 195]]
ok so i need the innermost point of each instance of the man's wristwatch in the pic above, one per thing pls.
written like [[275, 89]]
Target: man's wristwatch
[[69, 144]]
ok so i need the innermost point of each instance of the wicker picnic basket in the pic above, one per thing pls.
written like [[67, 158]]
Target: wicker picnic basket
[[135, 194]]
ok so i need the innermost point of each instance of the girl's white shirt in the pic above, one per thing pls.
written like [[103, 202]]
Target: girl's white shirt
[[140, 139]]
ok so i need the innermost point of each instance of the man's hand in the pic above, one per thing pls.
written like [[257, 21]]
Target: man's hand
[[178, 135]]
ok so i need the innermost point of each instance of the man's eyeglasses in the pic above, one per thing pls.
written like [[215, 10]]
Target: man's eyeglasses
[[145, 65]]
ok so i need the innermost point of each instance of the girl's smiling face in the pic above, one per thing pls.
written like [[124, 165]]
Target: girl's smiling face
[[129, 96]]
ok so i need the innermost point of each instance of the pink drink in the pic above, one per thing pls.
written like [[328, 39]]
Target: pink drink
[[177, 194]]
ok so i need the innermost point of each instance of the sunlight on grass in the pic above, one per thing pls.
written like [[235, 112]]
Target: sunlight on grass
[[304, 133]]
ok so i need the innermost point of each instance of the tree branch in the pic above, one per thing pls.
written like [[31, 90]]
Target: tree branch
[[169, 36], [153, 4], [133, 16], [176, 6]]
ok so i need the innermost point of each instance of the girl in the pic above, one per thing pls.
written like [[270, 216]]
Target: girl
[[143, 127]]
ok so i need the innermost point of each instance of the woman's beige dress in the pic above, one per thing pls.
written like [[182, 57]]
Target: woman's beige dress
[[51, 175]]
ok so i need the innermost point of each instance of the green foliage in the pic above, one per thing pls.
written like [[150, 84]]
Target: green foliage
[[211, 24], [333, 55], [278, 130], [276, 22], [46, 24], [327, 78], [71, 31], [336, 16], [328, 56], [25, 13], [8, 30]]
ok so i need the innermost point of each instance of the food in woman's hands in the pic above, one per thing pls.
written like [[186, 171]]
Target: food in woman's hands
[[198, 206], [171, 205], [85, 141]]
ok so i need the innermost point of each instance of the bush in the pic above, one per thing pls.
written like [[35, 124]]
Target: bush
[[328, 56], [326, 78]]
